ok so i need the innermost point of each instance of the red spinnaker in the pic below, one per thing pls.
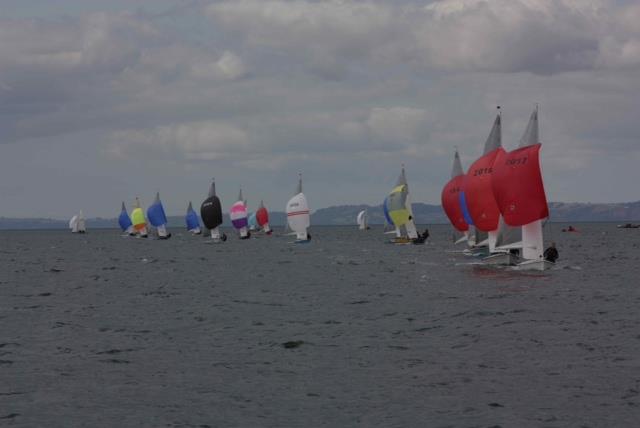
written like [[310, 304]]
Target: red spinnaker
[[451, 203], [517, 186], [478, 193], [262, 216]]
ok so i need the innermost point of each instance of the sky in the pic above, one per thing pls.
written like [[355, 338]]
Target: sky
[[103, 101]]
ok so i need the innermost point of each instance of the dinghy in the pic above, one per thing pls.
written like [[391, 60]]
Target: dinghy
[[519, 192], [478, 192], [361, 220], [138, 220], [157, 218], [211, 214], [238, 215], [77, 224], [125, 221], [192, 221], [298, 217], [400, 212], [451, 201], [262, 218]]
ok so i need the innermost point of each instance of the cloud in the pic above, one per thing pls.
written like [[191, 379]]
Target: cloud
[[194, 141], [539, 36]]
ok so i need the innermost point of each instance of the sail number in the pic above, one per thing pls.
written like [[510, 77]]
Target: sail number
[[455, 190], [517, 161], [482, 171]]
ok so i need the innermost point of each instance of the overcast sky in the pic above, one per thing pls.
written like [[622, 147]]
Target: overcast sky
[[101, 101]]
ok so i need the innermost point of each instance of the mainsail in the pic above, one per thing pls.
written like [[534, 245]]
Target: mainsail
[[451, 199], [297, 211], [138, 220], [519, 190], [211, 212], [158, 218], [361, 220], [125, 221], [192, 221], [400, 208], [262, 217], [238, 215]]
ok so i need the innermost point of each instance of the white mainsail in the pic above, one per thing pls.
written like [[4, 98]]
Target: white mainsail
[[361, 220]]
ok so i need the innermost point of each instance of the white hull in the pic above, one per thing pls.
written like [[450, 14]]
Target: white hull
[[534, 265], [243, 232], [501, 259], [215, 234]]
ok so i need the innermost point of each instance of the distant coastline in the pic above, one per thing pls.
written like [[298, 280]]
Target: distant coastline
[[561, 212]]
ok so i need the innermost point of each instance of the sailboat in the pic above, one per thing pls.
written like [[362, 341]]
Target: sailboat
[[125, 221], [361, 220], [478, 192], [157, 218], [400, 211], [262, 218], [192, 221], [451, 201], [518, 189], [211, 214], [298, 217], [77, 224], [238, 215], [138, 220]]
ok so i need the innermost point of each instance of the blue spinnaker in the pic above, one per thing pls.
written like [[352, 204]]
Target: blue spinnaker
[[465, 211], [156, 214], [192, 220], [124, 220]]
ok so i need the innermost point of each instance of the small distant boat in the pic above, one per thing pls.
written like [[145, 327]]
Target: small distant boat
[[138, 220], [238, 215], [211, 214], [298, 217], [192, 221], [262, 218], [157, 218], [628, 226], [125, 221], [401, 213], [77, 224], [362, 220]]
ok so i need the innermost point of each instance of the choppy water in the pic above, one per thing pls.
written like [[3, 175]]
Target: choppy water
[[100, 330]]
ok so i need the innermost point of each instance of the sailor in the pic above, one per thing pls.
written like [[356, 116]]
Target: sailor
[[223, 237], [551, 253]]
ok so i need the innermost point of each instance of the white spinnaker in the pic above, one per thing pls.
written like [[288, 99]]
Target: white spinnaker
[[298, 217]]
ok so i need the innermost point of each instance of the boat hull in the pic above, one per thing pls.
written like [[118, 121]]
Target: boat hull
[[501, 259], [540, 265]]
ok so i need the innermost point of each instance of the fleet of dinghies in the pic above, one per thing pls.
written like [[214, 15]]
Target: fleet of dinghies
[[498, 206]]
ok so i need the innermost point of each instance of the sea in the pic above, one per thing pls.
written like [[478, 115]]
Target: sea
[[101, 330]]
